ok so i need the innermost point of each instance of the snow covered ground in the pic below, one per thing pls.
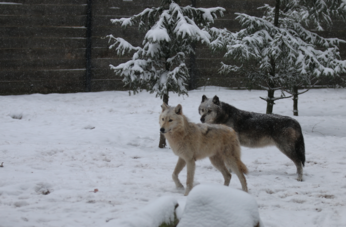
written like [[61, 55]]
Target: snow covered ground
[[91, 159]]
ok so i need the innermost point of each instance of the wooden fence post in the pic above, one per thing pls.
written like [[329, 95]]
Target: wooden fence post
[[88, 46]]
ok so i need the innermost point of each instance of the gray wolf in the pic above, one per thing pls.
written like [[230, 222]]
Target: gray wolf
[[191, 142], [258, 130]]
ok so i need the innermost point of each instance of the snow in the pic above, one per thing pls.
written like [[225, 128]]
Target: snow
[[158, 32], [211, 205], [57, 149], [10, 3], [157, 212], [208, 13]]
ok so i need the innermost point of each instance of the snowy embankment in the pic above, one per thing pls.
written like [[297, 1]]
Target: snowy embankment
[[91, 159]]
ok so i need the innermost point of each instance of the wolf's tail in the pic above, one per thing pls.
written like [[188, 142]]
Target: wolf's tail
[[300, 148], [242, 167]]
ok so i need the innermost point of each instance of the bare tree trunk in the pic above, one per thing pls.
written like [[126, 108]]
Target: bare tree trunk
[[270, 101], [162, 142], [295, 100], [193, 69], [277, 13], [165, 98], [271, 90]]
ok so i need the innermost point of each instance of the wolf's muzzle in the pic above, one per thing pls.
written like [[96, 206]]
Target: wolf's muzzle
[[162, 130], [202, 119]]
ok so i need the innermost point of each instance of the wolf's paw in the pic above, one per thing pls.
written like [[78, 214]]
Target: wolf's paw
[[180, 187], [187, 191], [300, 179]]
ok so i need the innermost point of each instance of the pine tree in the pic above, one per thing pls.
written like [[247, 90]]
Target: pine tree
[[158, 66], [279, 52]]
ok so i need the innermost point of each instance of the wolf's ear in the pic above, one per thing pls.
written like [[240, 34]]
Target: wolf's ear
[[216, 100], [164, 106], [204, 98], [178, 109]]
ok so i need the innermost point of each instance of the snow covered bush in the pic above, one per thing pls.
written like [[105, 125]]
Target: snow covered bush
[[155, 214], [171, 31], [216, 205], [206, 206], [280, 50]]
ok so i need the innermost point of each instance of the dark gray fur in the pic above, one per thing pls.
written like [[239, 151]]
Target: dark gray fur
[[258, 130]]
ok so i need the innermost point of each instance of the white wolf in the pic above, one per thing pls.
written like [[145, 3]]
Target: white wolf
[[192, 142]]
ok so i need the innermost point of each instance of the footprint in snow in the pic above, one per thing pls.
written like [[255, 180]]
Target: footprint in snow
[[43, 188], [20, 204], [17, 116]]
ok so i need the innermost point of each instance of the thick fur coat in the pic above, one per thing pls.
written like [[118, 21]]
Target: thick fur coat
[[258, 130], [191, 142]]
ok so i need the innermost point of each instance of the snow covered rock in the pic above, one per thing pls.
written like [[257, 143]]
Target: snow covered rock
[[153, 215], [209, 205]]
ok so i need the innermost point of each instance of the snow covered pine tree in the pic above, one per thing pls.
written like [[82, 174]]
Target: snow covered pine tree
[[278, 51], [159, 65]]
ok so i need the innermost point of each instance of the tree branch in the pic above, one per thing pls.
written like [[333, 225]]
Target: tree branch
[[274, 99]]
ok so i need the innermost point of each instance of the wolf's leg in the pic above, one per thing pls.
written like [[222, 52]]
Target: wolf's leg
[[237, 167], [291, 142], [180, 165], [299, 171], [217, 161], [190, 175], [291, 153]]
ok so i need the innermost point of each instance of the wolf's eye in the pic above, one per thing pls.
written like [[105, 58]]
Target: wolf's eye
[[209, 111], [163, 119], [202, 110], [170, 120]]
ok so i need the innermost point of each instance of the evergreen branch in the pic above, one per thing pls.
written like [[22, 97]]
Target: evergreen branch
[[179, 57], [158, 32], [225, 69], [186, 27], [146, 15], [123, 45], [203, 15]]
